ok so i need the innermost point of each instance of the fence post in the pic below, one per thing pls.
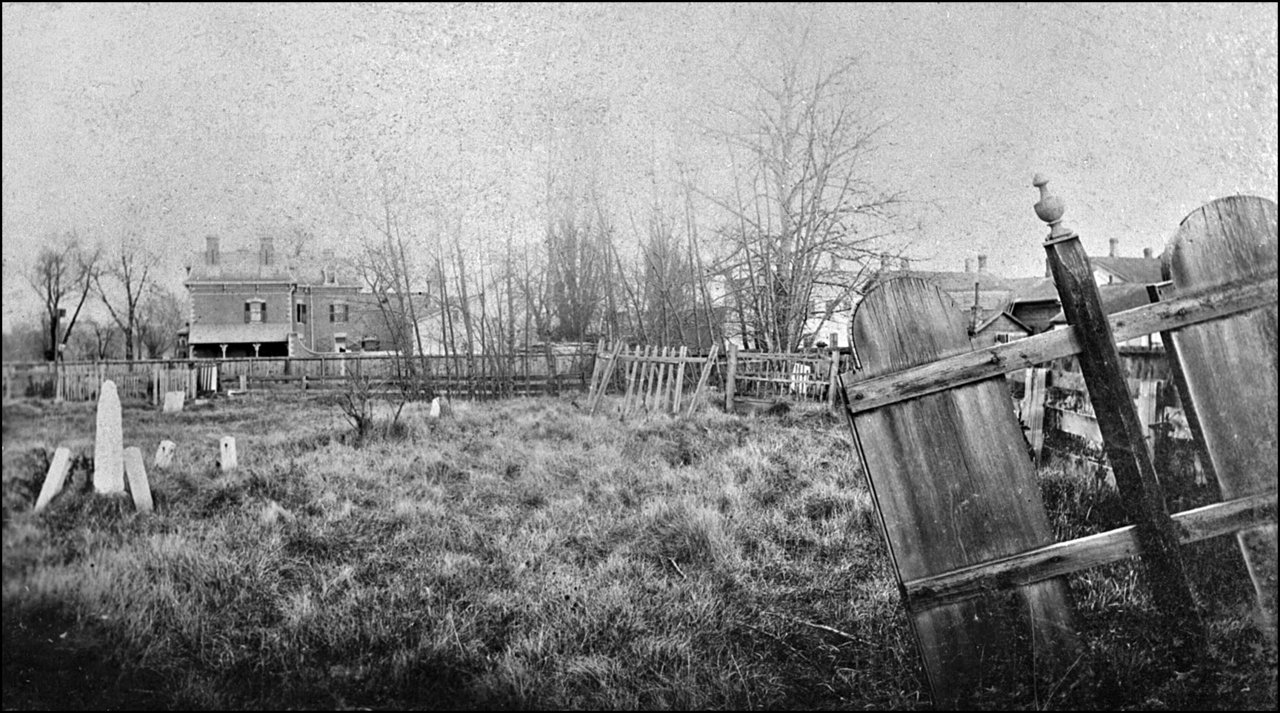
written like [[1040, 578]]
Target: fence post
[[834, 371], [1126, 446], [731, 370]]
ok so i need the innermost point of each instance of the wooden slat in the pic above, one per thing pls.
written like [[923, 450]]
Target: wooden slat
[[1226, 369], [703, 377], [953, 485], [1063, 558], [679, 389], [1201, 306]]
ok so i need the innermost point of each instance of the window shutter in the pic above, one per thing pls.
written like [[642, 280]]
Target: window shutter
[[331, 311], [264, 311], [247, 306]]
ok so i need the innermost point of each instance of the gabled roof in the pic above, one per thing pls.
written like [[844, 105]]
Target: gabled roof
[[1141, 270], [992, 319], [1034, 289]]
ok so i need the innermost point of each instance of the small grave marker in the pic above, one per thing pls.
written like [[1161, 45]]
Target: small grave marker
[[53, 480], [108, 446], [173, 401], [164, 454], [137, 473], [227, 454], [439, 407]]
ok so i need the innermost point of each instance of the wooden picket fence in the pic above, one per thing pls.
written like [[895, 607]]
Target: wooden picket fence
[[460, 375], [655, 378], [954, 487]]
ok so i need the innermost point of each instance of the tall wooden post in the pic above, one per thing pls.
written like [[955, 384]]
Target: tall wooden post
[[832, 384], [1126, 445], [729, 373]]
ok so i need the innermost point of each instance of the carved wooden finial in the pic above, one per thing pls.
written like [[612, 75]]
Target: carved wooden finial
[[1050, 209]]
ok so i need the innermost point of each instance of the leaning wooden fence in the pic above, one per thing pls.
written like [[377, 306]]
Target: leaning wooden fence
[[953, 484], [651, 379]]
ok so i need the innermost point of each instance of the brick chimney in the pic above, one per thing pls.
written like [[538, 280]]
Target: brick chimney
[[982, 262], [211, 249], [1115, 247], [1146, 252], [267, 253]]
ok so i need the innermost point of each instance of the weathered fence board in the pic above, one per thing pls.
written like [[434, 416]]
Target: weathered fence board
[[1187, 308], [953, 485], [1228, 367]]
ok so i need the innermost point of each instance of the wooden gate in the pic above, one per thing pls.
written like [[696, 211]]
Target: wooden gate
[[952, 481]]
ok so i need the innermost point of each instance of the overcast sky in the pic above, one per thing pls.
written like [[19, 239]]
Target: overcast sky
[[177, 121]]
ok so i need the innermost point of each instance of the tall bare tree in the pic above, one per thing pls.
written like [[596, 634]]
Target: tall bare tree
[[122, 281], [161, 314], [806, 218], [63, 269], [576, 254]]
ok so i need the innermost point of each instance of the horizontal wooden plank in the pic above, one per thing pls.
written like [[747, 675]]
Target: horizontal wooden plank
[[1066, 557], [1193, 308], [624, 359]]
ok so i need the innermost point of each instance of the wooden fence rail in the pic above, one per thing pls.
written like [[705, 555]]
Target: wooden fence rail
[[462, 376], [952, 482]]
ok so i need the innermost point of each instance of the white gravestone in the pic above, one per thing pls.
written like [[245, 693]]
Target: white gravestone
[[137, 479], [164, 454], [439, 407], [58, 470], [173, 401], [108, 443], [227, 454]]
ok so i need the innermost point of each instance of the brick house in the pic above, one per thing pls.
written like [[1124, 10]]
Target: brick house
[[247, 303]]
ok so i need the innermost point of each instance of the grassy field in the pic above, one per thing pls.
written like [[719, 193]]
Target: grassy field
[[522, 554]]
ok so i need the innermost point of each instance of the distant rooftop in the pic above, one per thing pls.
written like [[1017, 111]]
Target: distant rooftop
[[247, 264]]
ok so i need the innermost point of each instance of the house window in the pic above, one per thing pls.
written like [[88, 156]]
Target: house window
[[302, 314], [340, 342], [370, 344], [337, 313], [255, 311], [1006, 337]]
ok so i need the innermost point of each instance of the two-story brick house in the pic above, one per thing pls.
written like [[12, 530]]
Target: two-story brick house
[[247, 303]]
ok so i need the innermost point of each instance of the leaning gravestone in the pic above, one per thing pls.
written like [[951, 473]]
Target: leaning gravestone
[[108, 444], [164, 454], [58, 470], [173, 401], [137, 479]]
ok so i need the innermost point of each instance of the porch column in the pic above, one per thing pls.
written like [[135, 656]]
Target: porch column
[[224, 350], [256, 346]]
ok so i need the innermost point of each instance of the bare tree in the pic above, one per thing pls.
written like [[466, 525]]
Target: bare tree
[[122, 281], [95, 342], [806, 218], [161, 314], [63, 269], [576, 254]]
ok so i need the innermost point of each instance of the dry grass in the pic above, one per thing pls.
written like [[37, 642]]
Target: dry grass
[[518, 555]]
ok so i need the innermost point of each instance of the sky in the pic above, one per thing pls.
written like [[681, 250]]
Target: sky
[[170, 122]]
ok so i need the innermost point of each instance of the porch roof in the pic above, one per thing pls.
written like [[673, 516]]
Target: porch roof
[[251, 333]]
